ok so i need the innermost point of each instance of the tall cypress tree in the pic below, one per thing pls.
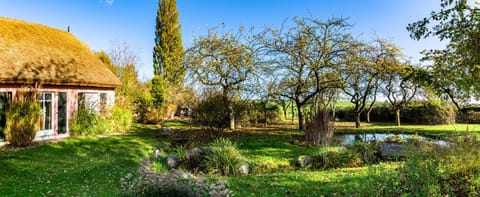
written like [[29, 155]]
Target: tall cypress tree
[[168, 50]]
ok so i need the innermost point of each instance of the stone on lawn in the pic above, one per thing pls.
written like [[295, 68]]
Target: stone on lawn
[[304, 162], [172, 161], [158, 154], [389, 150], [244, 168]]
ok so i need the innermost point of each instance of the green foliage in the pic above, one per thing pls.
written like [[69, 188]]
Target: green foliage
[[368, 152], [424, 112], [84, 122], [168, 51], [469, 115], [211, 112], [23, 116], [434, 171], [223, 157], [120, 119], [337, 159], [88, 122], [455, 70], [157, 92]]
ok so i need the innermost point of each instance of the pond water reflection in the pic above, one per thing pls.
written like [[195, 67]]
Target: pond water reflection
[[347, 139]]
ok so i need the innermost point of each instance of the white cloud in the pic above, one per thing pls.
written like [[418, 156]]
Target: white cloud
[[110, 2]]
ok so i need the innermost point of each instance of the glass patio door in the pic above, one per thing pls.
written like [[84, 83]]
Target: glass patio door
[[46, 114]]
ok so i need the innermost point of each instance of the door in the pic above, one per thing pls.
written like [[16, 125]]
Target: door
[[46, 115], [62, 113]]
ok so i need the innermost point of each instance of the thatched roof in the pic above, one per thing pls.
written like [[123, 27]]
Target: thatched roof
[[32, 53]]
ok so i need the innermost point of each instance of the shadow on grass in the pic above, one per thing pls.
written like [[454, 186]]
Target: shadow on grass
[[90, 166]]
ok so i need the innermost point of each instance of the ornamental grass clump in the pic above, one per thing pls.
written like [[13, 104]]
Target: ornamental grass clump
[[223, 157], [23, 117]]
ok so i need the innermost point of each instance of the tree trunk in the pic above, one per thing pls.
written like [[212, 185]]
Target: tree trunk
[[265, 115], [397, 116], [357, 119], [301, 118], [231, 115], [284, 112], [319, 130], [368, 116], [293, 113]]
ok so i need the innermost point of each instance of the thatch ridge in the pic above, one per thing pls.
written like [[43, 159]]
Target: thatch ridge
[[34, 53]]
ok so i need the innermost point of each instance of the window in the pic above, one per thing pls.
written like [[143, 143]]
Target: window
[[5, 100]]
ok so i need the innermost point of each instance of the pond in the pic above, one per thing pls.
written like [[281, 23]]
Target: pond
[[347, 139]]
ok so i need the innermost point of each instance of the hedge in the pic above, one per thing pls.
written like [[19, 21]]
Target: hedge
[[420, 112]]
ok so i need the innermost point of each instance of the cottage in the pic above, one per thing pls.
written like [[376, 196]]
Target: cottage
[[68, 71]]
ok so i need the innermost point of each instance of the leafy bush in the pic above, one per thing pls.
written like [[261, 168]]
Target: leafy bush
[[368, 152], [337, 159], [120, 119], [212, 112], [469, 114], [148, 183], [434, 171], [88, 122], [223, 157], [84, 122], [424, 112], [23, 117]]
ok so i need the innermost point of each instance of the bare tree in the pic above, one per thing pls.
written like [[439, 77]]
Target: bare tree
[[306, 57]]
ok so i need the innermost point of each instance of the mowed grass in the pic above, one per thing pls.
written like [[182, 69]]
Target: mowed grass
[[86, 166], [93, 166]]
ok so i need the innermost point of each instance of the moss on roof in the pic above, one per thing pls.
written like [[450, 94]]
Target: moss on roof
[[32, 53]]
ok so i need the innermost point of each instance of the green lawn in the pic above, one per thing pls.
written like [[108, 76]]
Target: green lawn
[[93, 166], [428, 130], [87, 166]]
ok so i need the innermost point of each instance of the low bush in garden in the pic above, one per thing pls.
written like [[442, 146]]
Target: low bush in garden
[[469, 114], [433, 171], [89, 122], [341, 159], [147, 183], [23, 116], [223, 157]]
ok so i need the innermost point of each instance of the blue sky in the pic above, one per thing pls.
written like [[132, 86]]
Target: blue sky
[[99, 23]]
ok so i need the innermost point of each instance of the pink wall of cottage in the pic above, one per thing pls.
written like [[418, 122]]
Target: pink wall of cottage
[[72, 98]]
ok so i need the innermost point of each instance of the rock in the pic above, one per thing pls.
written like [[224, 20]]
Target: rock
[[182, 174], [244, 168], [194, 157], [389, 150], [172, 161], [304, 162], [158, 154]]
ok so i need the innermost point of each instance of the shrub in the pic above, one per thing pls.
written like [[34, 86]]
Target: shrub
[[23, 117], [368, 152], [147, 183], [421, 112], [469, 114], [88, 122], [223, 157], [337, 159], [84, 122], [434, 171], [212, 112], [120, 119]]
